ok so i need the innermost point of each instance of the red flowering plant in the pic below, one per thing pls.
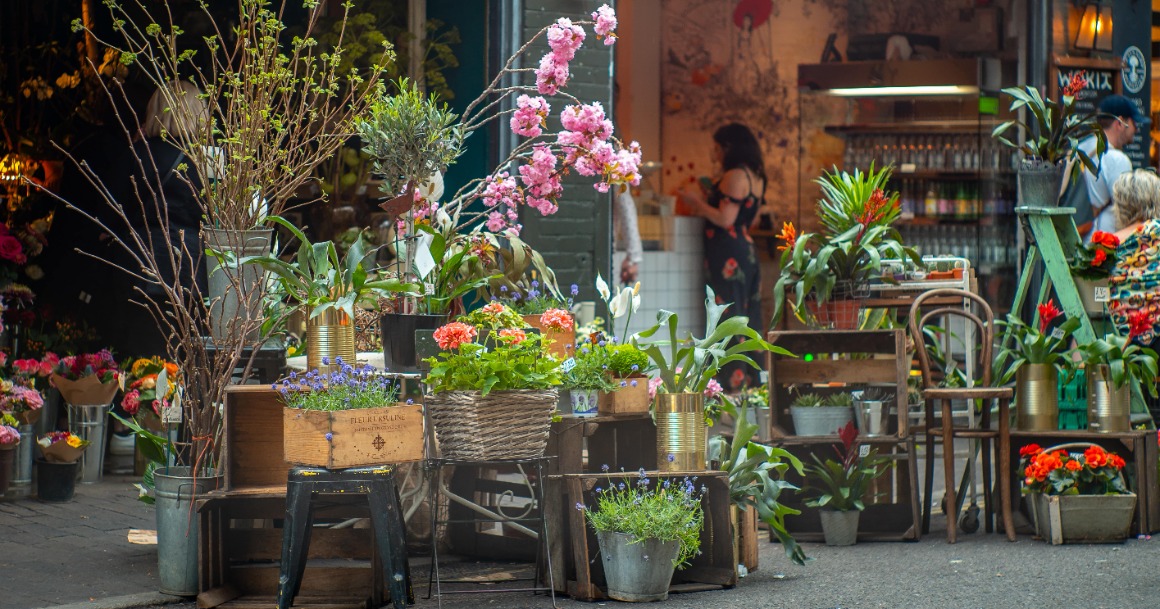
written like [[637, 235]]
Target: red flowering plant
[[1042, 345], [1125, 358], [143, 378], [506, 356], [88, 379], [1060, 472], [1052, 130], [1095, 260]]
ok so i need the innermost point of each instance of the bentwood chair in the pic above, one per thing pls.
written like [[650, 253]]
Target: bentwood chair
[[947, 304]]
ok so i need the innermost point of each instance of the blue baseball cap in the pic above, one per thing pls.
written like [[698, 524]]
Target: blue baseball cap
[[1118, 105]]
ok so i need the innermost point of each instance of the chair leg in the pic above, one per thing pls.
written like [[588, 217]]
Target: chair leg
[[388, 524], [951, 501], [928, 482], [1005, 467], [295, 543], [989, 506]]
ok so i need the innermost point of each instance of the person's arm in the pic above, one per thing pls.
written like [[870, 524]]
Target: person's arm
[[734, 186], [627, 236]]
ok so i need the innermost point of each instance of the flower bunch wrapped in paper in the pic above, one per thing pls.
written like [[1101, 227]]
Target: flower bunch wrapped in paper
[[22, 402], [89, 379], [9, 435], [144, 379], [62, 447]]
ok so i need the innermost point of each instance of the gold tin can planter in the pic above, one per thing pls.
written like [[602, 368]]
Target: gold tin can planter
[[680, 419], [1109, 409], [1037, 398], [330, 335]]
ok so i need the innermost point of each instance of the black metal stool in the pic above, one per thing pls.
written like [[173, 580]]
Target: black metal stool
[[378, 484]]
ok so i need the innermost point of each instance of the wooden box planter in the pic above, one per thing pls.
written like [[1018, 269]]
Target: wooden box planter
[[340, 439], [1061, 519], [627, 399]]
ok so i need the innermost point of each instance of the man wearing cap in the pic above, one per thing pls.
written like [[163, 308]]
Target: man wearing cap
[[1120, 119]]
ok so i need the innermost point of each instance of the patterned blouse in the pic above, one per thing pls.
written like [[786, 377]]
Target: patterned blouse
[[1135, 280]]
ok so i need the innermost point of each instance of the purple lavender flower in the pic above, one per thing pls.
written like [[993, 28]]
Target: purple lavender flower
[[633, 383], [503, 288], [575, 289], [604, 468], [579, 506], [670, 458], [325, 360], [410, 401], [535, 283], [622, 383], [329, 436]]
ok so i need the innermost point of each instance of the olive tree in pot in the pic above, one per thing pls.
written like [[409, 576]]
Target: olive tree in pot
[[837, 488]]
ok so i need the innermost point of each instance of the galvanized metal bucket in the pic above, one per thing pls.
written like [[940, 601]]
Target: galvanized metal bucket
[[637, 572], [233, 292], [329, 335], [1037, 398], [1040, 184], [1109, 408], [680, 419], [88, 422], [840, 528], [176, 530], [820, 420]]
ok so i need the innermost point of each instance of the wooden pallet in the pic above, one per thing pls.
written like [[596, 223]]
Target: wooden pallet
[[573, 544]]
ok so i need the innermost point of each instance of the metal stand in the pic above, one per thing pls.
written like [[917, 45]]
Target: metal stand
[[437, 486]]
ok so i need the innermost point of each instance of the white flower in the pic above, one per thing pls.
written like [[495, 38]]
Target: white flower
[[602, 288]]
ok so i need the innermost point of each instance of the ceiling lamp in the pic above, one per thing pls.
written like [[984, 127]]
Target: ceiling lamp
[[1095, 27]]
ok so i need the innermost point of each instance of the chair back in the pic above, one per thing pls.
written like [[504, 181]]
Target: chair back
[[984, 326]]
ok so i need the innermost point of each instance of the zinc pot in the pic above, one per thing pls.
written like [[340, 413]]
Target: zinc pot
[[637, 572], [820, 420], [1087, 294], [584, 402], [233, 290], [55, 481], [329, 335], [1037, 398], [681, 431], [1109, 407], [1063, 519], [840, 528], [176, 531], [88, 422], [7, 459], [1040, 184], [872, 417], [401, 352]]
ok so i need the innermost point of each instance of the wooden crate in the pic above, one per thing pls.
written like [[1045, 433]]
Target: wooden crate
[[625, 441], [573, 546], [353, 438], [625, 400], [252, 440]]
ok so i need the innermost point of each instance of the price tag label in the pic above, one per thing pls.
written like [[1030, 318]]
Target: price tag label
[[907, 168], [864, 450], [1101, 293], [171, 413], [1057, 334], [568, 364]]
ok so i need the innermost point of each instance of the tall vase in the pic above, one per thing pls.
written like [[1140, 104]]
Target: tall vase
[[234, 291], [330, 334], [1037, 398], [1109, 408], [22, 466], [177, 537], [680, 419]]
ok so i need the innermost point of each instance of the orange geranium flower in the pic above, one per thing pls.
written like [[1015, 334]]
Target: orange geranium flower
[[557, 319], [1116, 461], [788, 234], [456, 333], [1099, 257], [1095, 457], [1030, 450], [1073, 465], [514, 335], [1105, 239]]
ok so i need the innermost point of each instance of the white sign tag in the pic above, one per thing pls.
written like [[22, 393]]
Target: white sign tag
[[424, 263], [1101, 293], [568, 364], [1057, 334], [171, 414], [864, 450]]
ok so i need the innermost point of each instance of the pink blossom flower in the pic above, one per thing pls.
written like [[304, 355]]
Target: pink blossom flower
[[654, 384], [588, 119], [496, 222], [605, 19], [9, 434], [501, 189], [541, 180], [528, 119], [456, 333], [565, 38], [131, 403], [551, 75], [26, 366], [713, 389], [557, 319], [514, 336]]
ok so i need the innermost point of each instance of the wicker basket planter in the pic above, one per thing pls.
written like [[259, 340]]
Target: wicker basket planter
[[503, 425]]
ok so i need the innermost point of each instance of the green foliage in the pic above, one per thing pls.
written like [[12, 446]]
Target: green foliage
[[408, 136], [808, 400], [1032, 346], [627, 359], [590, 369], [317, 279], [841, 485], [155, 448], [348, 388], [499, 364], [756, 475], [700, 358], [511, 268], [1055, 130], [844, 198], [452, 276], [1126, 360], [666, 510], [840, 400]]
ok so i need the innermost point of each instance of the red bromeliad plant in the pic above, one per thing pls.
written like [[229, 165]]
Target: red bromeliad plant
[[1053, 130], [1096, 260], [1059, 472], [841, 485]]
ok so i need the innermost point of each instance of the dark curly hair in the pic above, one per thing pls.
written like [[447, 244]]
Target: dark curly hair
[[739, 148]]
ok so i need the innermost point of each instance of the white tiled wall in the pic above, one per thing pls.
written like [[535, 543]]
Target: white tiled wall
[[673, 280]]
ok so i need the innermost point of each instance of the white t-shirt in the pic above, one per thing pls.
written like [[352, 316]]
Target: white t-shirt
[[1111, 165]]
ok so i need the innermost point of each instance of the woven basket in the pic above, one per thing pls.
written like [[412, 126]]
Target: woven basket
[[503, 425]]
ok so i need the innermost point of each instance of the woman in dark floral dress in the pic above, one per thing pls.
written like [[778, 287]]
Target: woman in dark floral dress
[[730, 207]]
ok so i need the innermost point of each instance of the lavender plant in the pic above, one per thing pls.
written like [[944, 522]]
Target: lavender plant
[[348, 388]]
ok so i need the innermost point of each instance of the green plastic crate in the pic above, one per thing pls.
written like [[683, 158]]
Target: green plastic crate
[[1073, 402]]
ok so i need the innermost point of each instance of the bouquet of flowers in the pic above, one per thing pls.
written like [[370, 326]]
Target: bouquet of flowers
[[9, 435], [62, 446], [22, 402], [1059, 472], [144, 378], [88, 379], [1097, 259]]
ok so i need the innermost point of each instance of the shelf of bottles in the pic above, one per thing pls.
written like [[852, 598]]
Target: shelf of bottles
[[981, 157]]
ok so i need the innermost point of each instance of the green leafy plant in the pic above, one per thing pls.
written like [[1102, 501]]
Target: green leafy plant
[[666, 510], [589, 370], [1097, 259], [626, 360], [1054, 130], [1034, 345], [844, 198], [451, 278], [756, 475], [688, 364], [157, 451], [317, 279], [808, 400], [1126, 360], [840, 400], [841, 485]]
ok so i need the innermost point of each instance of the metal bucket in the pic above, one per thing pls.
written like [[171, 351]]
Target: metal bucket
[[330, 335], [230, 286], [88, 422], [840, 528], [637, 572], [401, 353], [7, 459], [177, 528], [1040, 184], [1037, 398], [680, 419], [22, 468], [1109, 409], [820, 420], [55, 481], [872, 417]]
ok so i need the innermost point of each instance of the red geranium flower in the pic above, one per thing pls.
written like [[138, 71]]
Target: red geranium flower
[[1099, 257], [1029, 450], [1105, 239]]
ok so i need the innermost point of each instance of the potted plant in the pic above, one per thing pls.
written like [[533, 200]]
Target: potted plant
[[1090, 266], [1111, 365], [1035, 362], [817, 415], [348, 417], [829, 271], [56, 472], [685, 367], [837, 488], [534, 301], [872, 409], [586, 377], [646, 530], [1077, 497], [1050, 138], [756, 478], [491, 399], [328, 288], [9, 439], [629, 392]]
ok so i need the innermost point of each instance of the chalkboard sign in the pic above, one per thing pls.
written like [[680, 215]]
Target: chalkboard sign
[[1103, 79]]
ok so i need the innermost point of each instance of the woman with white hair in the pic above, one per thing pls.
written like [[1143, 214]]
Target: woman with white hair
[[1134, 282]]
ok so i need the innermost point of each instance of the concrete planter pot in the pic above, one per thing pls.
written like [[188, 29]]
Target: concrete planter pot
[[840, 528]]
